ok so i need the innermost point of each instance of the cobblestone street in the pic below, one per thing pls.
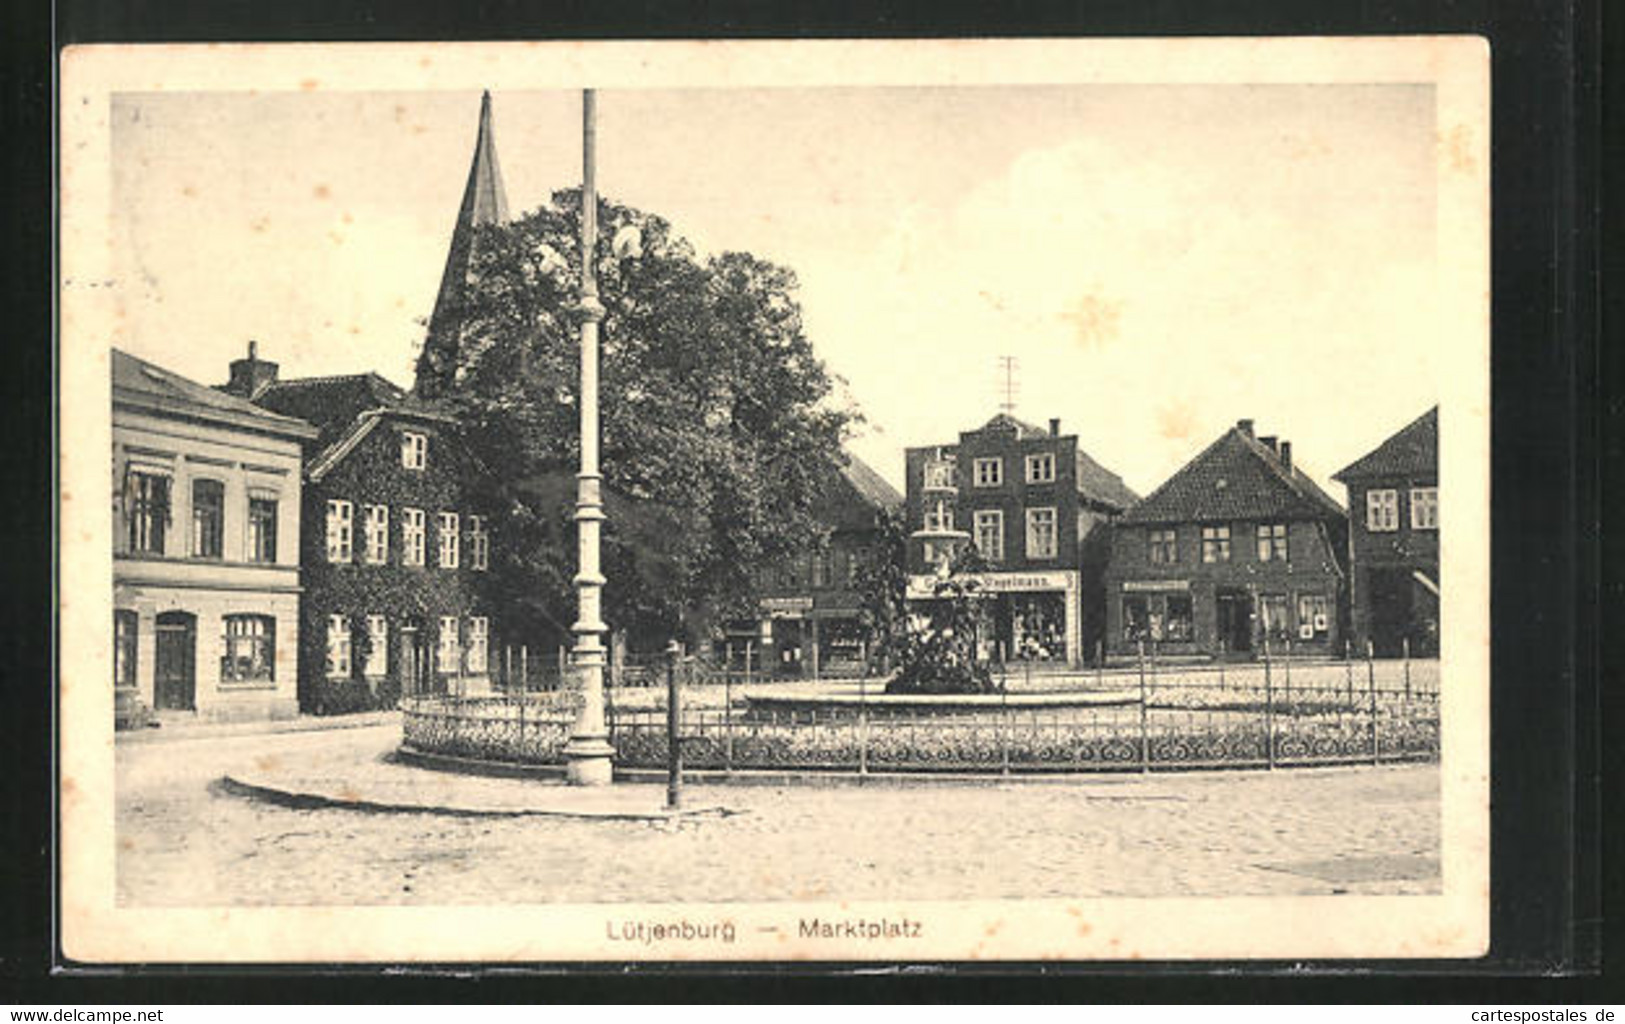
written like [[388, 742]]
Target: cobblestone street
[[184, 841]]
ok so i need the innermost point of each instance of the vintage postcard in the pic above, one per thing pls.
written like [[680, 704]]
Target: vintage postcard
[[817, 501]]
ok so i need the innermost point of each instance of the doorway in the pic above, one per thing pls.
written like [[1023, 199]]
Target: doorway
[[414, 662], [175, 663], [1233, 621]]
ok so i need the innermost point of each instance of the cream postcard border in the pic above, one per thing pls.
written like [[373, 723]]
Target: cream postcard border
[[94, 929]]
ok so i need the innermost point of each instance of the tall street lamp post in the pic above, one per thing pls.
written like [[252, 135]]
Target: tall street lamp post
[[588, 753]]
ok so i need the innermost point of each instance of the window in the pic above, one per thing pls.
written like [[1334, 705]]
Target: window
[[377, 526], [1136, 618], [414, 537], [989, 472], [377, 646], [479, 632], [1176, 625], [208, 517], [1272, 542], [854, 565], [250, 649], [990, 535], [1424, 508], [414, 449], [1164, 547], [340, 537], [1041, 468], [1314, 617], [822, 568], [1040, 533], [338, 647], [1272, 616], [479, 544], [1382, 511], [939, 516], [448, 540], [125, 627], [147, 506], [939, 473], [449, 649], [262, 529], [1215, 543]]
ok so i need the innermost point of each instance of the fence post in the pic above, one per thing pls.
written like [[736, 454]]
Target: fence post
[[1004, 722], [1222, 686], [1371, 692], [674, 719], [1287, 683], [1269, 706], [1405, 648], [1348, 667], [728, 714], [524, 666], [1100, 664], [1145, 747], [863, 725]]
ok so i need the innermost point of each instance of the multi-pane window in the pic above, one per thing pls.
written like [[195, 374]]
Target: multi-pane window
[[822, 568], [939, 516], [479, 544], [340, 531], [479, 633], [262, 529], [1164, 547], [208, 518], [377, 646], [448, 540], [939, 473], [414, 449], [1040, 533], [147, 509], [1314, 616], [1215, 543], [377, 526], [990, 535], [414, 536], [125, 627], [1272, 542], [1382, 511], [1424, 508], [1272, 616], [338, 647], [1177, 623], [449, 649], [1041, 468], [989, 472], [250, 649]]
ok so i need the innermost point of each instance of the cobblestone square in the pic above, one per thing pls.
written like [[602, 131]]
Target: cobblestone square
[[184, 841]]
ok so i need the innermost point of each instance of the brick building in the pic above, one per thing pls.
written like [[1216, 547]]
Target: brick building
[[1236, 548], [809, 606], [207, 503], [1038, 511], [1394, 540]]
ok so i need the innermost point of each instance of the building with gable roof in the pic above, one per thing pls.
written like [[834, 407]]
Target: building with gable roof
[[1236, 550], [207, 504], [1038, 510], [810, 606], [1394, 540]]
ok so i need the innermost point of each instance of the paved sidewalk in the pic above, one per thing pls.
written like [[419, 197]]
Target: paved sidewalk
[[181, 729], [369, 777]]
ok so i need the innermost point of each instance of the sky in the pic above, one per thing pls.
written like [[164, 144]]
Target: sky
[[1160, 260]]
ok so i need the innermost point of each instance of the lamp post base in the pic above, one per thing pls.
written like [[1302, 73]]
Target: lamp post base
[[589, 761]]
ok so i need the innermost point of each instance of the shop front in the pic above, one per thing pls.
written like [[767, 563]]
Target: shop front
[[1029, 616]]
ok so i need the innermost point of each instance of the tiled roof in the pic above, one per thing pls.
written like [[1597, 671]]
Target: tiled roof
[[1005, 421], [345, 409], [1101, 485], [870, 486], [138, 381], [1236, 477], [1413, 451]]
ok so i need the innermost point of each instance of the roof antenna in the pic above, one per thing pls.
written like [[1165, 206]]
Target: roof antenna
[[1008, 366]]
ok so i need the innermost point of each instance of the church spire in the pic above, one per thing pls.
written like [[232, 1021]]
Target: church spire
[[484, 203]]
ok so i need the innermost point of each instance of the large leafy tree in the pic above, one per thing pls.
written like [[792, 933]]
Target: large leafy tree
[[719, 424]]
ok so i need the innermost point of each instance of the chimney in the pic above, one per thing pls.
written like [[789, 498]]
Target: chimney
[[1286, 455], [1054, 428], [251, 374], [1245, 426], [1268, 441]]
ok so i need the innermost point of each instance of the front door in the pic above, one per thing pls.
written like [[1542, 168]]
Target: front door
[[175, 663], [414, 663], [1233, 620]]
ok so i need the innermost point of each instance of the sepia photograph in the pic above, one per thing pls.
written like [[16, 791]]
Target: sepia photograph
[[775, 501]]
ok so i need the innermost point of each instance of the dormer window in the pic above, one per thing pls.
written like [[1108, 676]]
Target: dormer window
[[414, 449]]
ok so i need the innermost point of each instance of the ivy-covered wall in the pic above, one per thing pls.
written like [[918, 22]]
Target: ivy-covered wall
[[408, 596]]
